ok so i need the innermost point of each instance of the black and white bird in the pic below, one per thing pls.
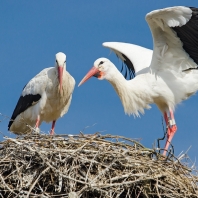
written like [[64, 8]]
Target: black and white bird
[[165, 77], [46, 97]]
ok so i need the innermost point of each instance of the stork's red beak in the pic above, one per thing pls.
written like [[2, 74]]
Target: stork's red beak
[[60, 76], [92, 72]]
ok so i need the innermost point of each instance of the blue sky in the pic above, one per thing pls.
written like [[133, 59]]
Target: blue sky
[[32, 32]]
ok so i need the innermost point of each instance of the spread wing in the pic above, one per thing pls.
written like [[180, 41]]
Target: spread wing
[[136, 58], [175, 37]]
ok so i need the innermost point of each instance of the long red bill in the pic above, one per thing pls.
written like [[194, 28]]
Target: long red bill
[[91, 73], [60, 76]]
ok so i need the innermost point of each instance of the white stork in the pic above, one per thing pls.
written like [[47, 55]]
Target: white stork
[[46, 97], [172, 75]]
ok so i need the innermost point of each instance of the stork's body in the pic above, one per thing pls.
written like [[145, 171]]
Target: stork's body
[[166, 77], [46, 97]]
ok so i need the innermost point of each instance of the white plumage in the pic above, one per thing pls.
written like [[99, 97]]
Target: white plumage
[[46, 97], [165, 77]]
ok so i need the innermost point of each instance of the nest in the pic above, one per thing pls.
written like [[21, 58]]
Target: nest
[[90, 166]]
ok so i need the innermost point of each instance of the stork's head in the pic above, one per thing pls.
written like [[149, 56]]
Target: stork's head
[[102, 69], [60, 64]]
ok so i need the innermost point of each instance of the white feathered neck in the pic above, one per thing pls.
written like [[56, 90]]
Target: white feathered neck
[[134, 94]]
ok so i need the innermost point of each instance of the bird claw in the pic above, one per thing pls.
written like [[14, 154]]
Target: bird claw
[[35, 130]]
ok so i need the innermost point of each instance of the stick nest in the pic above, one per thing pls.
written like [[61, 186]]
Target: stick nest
[[90, 166]]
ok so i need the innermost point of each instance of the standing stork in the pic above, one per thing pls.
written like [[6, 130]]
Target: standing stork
[[173, 72], [46, 97]]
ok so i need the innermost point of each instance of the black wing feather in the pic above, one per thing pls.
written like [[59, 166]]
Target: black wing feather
[[129, 68], [188, 34], [23, 103]]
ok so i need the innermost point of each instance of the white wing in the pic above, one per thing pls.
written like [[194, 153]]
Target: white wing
[[172, 30], [139, 57], [31, 94], [37, 84], [69, 88]]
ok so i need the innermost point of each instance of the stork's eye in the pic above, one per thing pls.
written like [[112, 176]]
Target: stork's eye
[[56, 61], [65, 61], [101, 62]]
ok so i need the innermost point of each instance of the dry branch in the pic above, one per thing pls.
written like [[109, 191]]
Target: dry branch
[[90, 166]]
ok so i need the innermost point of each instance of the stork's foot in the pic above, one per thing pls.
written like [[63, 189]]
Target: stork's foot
[[52, 132], [53, 126], [35, 130], [170, 133]]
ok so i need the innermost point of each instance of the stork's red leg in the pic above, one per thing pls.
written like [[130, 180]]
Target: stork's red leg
[[171, 129], [37, 124], [53, 126]]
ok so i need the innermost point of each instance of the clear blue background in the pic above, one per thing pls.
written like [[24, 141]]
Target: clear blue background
[[32, 32]]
